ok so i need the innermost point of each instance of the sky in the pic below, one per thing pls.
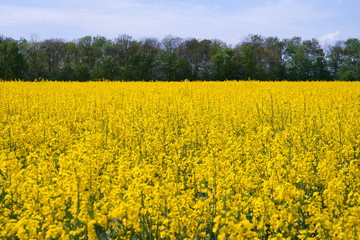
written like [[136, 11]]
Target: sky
[[228, 20]]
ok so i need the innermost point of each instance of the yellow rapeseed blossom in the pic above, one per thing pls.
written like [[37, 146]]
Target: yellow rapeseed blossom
[[187, 160]]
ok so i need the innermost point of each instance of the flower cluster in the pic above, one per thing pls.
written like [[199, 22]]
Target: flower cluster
[[188, 160]]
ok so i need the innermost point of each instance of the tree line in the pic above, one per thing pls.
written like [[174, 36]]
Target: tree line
[[175, 59]]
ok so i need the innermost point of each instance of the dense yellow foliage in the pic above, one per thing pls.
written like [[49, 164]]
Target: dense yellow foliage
[[197, 160]]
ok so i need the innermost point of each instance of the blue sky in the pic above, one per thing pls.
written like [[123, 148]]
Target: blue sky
[[228, 20]]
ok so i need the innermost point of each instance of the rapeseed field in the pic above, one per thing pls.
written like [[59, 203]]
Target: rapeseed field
[[184, 160]]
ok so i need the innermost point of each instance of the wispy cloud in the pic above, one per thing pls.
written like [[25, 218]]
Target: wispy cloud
[[109, 17], [74, 18], [285, 16], [12, 15]]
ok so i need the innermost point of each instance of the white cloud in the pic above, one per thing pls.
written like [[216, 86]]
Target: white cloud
[[329, 39]]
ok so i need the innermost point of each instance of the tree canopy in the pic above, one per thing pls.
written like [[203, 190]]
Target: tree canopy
[[175, 59]]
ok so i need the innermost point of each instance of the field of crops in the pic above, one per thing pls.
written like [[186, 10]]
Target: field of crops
[[186, 160]]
